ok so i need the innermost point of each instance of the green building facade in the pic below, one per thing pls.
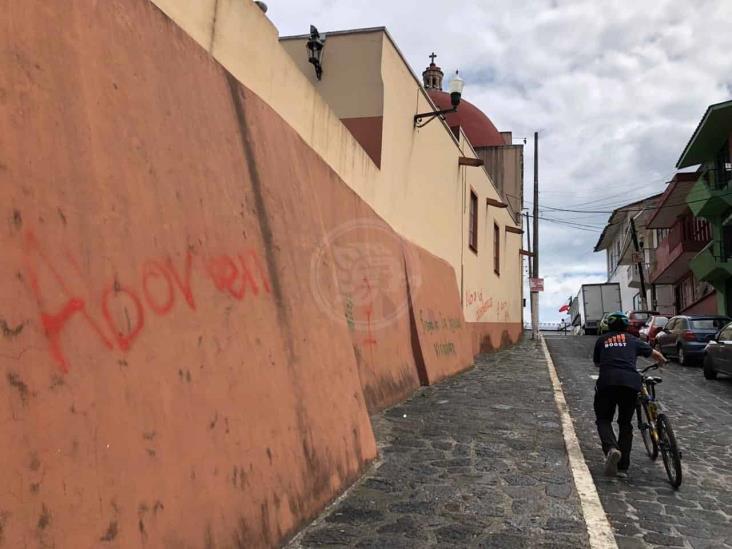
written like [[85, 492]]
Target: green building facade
[[710, 147]]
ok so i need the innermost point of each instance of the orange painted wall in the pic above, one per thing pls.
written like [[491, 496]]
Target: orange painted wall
[[355, 249], [445, 346], [196, 314], [170, 379], [492, 336]]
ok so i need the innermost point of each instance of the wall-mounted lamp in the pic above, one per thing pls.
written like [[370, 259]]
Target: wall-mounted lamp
[[455, 87], [315, 50]]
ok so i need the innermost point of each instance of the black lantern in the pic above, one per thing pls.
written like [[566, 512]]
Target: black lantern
[[455, 87], [315, 50]]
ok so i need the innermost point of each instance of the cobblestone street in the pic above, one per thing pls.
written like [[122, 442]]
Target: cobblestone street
[[478, 460], [643, 510]]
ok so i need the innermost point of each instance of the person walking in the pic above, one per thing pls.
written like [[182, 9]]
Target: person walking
[[617, 387]]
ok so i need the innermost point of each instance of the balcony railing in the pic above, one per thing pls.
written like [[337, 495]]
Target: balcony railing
[[687, 237], [633, 276], [689, 229]]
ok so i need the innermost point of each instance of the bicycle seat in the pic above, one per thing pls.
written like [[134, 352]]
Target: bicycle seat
[[653, 380]]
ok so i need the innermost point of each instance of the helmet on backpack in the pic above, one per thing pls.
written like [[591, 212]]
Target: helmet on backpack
[[618, 322]]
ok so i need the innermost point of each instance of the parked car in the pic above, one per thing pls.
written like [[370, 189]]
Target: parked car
[[718, 354], [638, 319], [685, 337], [652, 326]]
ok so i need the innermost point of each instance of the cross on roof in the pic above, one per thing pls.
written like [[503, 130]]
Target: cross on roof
[[433, 57]]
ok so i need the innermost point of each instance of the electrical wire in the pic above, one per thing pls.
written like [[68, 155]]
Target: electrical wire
[[569, 210], [631, 185], [579, 227]]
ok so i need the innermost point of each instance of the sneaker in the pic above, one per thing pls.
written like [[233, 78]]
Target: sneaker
[[622, 474], [611, 462]]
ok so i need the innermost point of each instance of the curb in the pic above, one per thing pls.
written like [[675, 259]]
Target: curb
[[598, 527]]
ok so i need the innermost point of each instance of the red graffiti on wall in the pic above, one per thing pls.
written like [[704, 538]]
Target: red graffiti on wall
[[233, 276], [502, 311], [54, 322], [484, 308], [474, 297], [369, 339], [122, 306], [124, 337], [500, 307]]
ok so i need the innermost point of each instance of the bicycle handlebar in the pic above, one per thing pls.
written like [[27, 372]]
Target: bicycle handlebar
[[651, 367]]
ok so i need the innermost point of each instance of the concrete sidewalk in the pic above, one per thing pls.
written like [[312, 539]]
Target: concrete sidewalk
[[476, 461]]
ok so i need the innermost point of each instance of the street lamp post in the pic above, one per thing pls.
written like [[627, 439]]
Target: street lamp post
[[315, 45], [455, 87]]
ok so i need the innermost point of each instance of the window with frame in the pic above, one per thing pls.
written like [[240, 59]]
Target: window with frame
[[496, 249], [726, 242], [723, 167], [473, 222]]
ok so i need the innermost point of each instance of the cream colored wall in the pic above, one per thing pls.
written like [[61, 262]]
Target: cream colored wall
[[427, 198], [422, 197], [351, 83], [420, 189], [491, 297], [240, 37]]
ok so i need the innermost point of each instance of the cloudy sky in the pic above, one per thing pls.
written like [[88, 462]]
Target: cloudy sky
[[615, 89]]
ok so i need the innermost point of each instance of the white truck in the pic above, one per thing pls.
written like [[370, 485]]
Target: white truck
[[593, 301]]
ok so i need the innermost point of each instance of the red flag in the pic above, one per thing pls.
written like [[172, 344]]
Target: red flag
[[564, 308]]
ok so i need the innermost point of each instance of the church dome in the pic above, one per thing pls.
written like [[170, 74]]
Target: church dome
[[477, 126]]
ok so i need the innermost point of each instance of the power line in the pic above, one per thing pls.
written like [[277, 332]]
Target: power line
[[569, 210], [577, 226], [577, 223], [613, 195]]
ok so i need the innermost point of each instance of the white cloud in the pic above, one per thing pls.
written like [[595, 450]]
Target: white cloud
[[615, 87]]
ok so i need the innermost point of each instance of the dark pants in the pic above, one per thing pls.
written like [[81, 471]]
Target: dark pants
[[606, 400]]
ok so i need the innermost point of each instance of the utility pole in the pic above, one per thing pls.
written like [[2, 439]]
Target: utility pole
[[634, 234], [528, 245], [527, 228], [535, 258]]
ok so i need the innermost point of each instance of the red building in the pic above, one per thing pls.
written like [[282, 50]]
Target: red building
[[681, 237]]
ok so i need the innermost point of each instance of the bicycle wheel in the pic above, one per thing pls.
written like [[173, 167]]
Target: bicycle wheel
[[669, 451], [644, 426]]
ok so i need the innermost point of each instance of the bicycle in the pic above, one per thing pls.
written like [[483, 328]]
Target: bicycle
[[655, 428]]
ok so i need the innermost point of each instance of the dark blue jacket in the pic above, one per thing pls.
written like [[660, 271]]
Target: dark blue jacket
[[615, 354]]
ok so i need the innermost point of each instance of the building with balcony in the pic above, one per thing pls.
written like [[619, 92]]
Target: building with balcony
[[630, 260], [710, 198], [681, 236]]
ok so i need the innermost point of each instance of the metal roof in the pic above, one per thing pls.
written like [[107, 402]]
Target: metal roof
[[673, 202], [613, 225], [714, 127]]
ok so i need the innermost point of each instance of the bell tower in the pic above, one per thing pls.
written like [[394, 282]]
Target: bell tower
[[432, 75]]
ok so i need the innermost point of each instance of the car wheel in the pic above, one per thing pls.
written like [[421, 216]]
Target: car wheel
[[681, 356], [709, 371]]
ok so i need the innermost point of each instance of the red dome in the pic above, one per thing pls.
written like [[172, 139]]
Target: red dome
[[477, 126]]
